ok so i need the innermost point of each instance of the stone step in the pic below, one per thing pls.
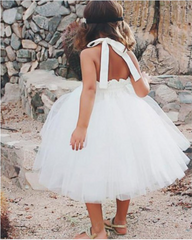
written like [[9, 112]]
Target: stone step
[[18, 156]]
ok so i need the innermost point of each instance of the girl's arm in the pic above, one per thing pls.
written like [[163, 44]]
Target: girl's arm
[[86, 100], [141, 86]]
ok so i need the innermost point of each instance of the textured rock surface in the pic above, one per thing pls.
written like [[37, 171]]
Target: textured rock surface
[[166, 25], [162, 29]]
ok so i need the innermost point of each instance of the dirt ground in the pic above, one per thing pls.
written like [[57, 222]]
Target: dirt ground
[[162, 214]]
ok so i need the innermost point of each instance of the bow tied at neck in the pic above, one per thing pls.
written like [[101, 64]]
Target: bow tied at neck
[[120, 49]]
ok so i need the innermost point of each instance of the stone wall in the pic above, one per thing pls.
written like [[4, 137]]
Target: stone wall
[[31, 36], [40, 89]]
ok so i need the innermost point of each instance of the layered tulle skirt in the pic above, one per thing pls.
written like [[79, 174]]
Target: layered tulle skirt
[[131, 147]]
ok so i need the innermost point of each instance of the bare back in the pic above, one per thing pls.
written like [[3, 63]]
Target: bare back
[[118, 68]]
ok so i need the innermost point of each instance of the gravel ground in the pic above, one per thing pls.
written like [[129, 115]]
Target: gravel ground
[[163, 214], [160, 214]]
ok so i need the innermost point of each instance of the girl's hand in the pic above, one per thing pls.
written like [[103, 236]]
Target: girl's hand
[[78, 138], [146, 77]]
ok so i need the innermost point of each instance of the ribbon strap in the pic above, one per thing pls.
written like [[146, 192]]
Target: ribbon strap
[[120, 49]]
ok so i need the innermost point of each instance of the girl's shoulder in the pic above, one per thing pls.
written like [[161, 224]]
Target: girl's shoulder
[[90, 52]]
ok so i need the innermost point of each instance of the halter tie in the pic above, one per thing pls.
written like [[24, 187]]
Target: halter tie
[[120, 49]]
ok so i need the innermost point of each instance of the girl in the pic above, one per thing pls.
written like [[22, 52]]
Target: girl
[[108, 139]]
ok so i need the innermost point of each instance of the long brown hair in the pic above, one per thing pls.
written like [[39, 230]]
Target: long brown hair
[[103, 10]]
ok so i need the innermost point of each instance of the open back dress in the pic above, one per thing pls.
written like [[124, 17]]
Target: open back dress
[[131, 146]]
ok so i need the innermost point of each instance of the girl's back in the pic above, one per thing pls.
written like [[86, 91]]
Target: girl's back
[[118, 68]]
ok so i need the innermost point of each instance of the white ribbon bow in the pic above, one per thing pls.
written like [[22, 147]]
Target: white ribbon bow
[[120, 49]]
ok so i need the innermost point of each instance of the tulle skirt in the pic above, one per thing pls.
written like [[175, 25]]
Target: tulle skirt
[[131, 147]]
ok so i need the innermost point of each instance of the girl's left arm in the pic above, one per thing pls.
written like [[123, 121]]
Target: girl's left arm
[[86, 100]]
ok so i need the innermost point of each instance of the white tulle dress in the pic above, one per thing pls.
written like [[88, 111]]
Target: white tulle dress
[[132, 147]]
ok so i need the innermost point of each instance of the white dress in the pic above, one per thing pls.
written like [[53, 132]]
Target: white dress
[[132, 147]]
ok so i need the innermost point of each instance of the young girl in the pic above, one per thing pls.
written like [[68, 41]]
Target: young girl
[[108, 139]]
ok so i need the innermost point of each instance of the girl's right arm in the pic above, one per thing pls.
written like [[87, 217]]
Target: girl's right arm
[[141, 86]]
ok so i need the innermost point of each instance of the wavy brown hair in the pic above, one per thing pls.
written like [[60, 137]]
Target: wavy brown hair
[[103, 10]]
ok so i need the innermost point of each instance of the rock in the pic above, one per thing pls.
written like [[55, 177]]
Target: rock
[[4, 80], [8, 4], [57, 53], [2, 30], [30, 10], [22, 60], [19, 15], [171, 106], [152, 94], [188, 118], [17, 65], [173, 116], [12, 93], [17, 30], [80, 9], [34, 65], [43, 43], [50, 95], [3, 69], [14, 79], [53, 23], [48, 37], [9, 16], [36, 101], [42, 33], [149, 60], [49, 64], [157, 61], [3, 53], [55, 37], [47, 102], [28, 44], [72, 2], [41, 21], [15, 42], [184, 112], [188, 86], [175, 83], [25, 68], [8, 31], [34, 27], [52, 9], [37, 38], [27, 25], [33, 180], [166, 93], [11, 69], [73, 9], [51, 50], [10, 53], [66, 21], [62, 72], [26, 3], [23, 53], [185, 97], [41, 2], [7, 41]]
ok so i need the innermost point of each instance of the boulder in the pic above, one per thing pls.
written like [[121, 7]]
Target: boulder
[[12, 93], [9, 16], [52, 9]]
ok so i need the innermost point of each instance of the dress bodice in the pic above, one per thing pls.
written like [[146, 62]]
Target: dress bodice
[[121, 50]]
